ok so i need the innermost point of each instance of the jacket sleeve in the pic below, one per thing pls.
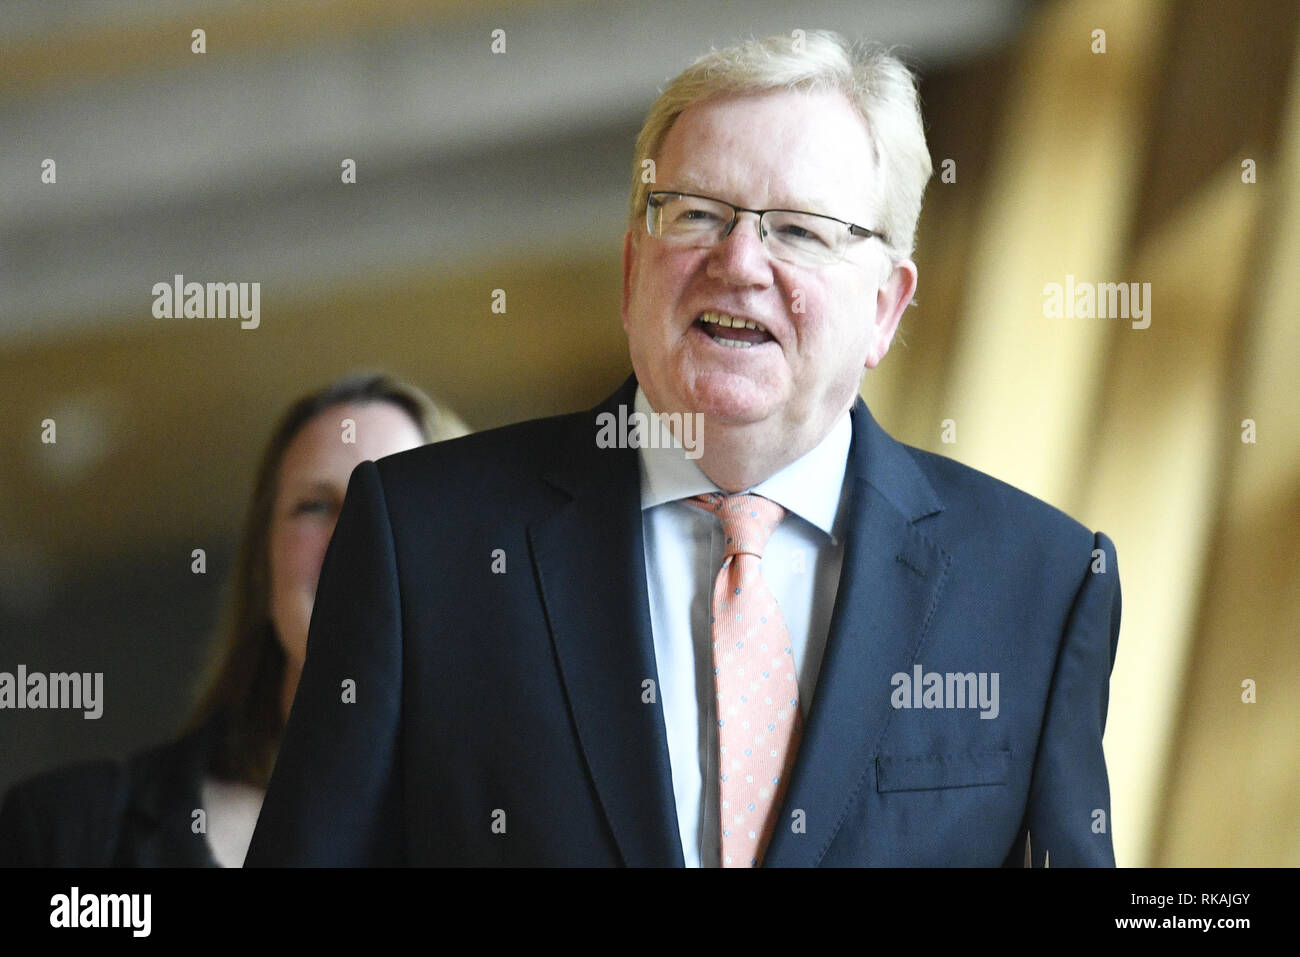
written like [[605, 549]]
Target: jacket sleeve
[[333, 799], [1068, 818]]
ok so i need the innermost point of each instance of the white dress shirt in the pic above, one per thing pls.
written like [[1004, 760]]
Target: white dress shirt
[[683, 555], [232, 810]]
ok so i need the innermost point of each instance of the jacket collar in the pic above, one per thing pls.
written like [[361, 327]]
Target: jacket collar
[[164, 786]]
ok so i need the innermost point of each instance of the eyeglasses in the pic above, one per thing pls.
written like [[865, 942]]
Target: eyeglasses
[[805, 239]]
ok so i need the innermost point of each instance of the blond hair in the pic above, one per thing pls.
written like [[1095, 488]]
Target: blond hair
[[879, 85]]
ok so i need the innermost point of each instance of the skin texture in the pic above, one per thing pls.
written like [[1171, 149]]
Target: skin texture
[[312, 481], [767, 405]]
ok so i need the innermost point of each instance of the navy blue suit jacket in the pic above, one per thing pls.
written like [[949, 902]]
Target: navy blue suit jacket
[[450, 713]]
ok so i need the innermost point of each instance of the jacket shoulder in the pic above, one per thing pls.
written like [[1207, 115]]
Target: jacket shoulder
[[79, 815], [998, 525], [503, 467], [507, 449], [66, 817]]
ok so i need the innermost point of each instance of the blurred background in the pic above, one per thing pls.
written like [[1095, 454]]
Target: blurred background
[[1170, 155]]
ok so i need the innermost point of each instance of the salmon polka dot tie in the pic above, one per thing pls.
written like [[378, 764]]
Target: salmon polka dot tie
[[753, 669]]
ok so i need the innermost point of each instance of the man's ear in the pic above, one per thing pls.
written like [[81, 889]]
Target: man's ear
[[629, 263], [894, 294]]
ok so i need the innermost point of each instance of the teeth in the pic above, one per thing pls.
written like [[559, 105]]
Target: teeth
[[730, 322]]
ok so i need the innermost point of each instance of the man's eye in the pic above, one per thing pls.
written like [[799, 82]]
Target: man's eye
[[803, 236], [312, 506], [697, 216]]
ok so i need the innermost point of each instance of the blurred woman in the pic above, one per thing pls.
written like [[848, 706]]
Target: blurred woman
[[194, 801]]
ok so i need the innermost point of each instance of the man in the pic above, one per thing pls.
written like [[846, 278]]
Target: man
[[788, 641]]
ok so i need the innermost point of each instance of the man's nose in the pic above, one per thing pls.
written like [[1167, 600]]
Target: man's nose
[[740, 258]]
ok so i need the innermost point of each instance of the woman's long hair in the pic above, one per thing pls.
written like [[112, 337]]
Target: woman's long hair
[[241, 694]]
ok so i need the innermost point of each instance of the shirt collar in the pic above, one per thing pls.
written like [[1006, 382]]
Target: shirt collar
[[809, 487]]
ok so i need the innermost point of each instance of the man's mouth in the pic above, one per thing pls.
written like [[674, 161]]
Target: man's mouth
[[733, 331]]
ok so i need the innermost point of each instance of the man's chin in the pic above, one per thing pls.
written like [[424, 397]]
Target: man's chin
[[729, 400]]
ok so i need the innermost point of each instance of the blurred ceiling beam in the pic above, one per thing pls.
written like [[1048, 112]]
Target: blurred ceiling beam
[[43, 39], [227, 164]]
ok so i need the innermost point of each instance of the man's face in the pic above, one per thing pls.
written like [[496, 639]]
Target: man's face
[[787, 150]]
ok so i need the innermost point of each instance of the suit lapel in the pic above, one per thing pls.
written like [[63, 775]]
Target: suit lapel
[[164, 784], [590, 565], [890, 582]]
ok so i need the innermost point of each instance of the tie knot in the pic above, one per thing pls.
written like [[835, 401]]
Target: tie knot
[[748, 521]]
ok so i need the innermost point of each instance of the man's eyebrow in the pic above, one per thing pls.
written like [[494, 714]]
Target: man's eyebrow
[[807, 205], [814, 204], [687, 185], [817, 204]]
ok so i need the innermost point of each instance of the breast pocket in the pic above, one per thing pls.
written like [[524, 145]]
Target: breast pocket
[[964, 769]]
